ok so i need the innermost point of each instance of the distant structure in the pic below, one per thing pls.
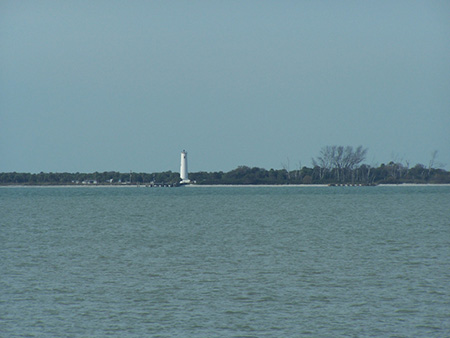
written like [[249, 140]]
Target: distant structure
[[184, 168]]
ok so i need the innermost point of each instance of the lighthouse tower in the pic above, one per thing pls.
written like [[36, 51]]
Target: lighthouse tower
[[184, 168]]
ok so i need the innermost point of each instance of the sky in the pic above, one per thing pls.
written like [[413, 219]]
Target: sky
[[127, 85]]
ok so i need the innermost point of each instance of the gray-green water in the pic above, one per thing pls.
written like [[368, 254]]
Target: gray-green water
[[225, 262]]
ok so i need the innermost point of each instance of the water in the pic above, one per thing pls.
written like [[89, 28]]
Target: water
[[225, 262]]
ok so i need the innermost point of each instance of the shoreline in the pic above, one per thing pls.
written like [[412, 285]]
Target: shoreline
[[225, 186]]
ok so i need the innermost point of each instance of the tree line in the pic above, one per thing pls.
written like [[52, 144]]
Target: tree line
[[109, 177], [334, 165]]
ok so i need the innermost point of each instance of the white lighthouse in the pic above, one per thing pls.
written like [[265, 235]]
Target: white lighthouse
[[184, 168]]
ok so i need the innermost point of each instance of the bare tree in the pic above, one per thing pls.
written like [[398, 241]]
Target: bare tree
[[341, 160], [433, 159], [286, 167], [325, 160], [432, 162]]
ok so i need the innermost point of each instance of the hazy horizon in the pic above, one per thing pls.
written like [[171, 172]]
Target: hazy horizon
[[91, 86], [286, 164]]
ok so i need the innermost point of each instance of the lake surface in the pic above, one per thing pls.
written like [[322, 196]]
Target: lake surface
[[225, 262]]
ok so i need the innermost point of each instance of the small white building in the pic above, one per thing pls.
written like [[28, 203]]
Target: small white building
[[184, 169]]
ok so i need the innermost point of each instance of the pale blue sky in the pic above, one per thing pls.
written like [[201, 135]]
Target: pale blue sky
[[126, 85]]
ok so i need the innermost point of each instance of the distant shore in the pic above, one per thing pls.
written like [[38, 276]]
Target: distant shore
[[90, 186], [390, 174]]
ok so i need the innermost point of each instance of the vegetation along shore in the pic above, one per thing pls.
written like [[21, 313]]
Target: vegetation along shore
[[335, 165]]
